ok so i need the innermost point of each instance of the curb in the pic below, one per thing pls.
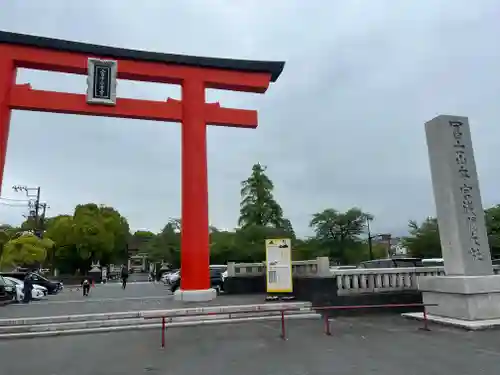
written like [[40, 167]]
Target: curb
[[118, 322], [182, 312], [82, 331]]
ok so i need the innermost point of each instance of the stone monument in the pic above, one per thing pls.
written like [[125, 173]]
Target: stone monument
[[469, 294]]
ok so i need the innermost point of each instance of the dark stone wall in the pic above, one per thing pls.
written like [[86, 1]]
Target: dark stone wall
[[245, 285], [322, 291]]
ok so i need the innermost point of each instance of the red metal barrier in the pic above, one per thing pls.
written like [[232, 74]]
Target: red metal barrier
[[282, 315], [388, 306], [163, 328]]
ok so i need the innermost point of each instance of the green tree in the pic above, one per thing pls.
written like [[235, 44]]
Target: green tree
[[143, 236], [92, 233], [63, 254], [307, 249], [258, 206], [118, 227], [338, 232], [92, 238], [223, 247], [166, 245], [7, 232], [492, 218], [360, 251], [423, 241], [286, 226], [25, 250], [249, 242]]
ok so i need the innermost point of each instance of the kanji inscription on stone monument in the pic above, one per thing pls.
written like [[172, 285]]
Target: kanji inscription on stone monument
[[460, 214]]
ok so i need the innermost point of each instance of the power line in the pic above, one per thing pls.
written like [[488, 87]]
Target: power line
[[13, 204], [14, 199], [38, 220]]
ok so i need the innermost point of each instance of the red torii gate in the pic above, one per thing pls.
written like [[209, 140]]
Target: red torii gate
[[194, 74]]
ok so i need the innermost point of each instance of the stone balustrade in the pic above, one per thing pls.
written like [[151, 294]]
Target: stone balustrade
[[316, 267], [350, 281], [375, 280]]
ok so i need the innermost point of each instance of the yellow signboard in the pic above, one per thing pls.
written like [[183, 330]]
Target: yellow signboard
[[279, 265]]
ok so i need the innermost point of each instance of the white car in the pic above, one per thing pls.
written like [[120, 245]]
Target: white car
[[38, 291], [170, 277]]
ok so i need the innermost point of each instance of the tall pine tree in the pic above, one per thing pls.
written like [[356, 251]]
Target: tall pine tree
[[258, 206]]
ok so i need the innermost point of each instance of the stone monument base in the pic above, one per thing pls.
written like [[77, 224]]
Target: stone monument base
[[204, 295], [471, 325], [463, 300]]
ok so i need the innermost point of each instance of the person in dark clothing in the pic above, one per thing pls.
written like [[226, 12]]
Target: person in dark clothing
[[86, 286], [28, 287], [124, 276]]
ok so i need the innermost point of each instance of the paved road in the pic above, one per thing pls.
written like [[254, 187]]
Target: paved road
[[380, 346], [110, 298]]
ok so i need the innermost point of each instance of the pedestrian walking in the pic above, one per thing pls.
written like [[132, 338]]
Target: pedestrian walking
[[28, 287], [86, 286], [124, 275]]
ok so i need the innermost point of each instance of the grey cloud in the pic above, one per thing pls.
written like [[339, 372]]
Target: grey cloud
[[343, 126]]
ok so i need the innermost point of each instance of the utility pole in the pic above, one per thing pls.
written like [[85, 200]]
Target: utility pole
[[42, 220], [33, 194]]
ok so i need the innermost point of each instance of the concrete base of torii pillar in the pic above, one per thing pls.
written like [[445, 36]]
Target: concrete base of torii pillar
[[469, 296], [195, 295]]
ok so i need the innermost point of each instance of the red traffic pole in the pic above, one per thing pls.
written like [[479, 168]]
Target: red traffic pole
[[163, 332], [426, 322], [283, 329]]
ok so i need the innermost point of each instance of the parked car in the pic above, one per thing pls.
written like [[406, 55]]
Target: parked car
[[53, 287], [38, 291], [218, 272], [215, 279], [392, 263], [433, 262], [41, 288], [7, 290]]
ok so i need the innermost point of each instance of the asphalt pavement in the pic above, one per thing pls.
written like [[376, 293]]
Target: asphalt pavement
[[358, 345], [137, 296], [103, 298], [382, 345]]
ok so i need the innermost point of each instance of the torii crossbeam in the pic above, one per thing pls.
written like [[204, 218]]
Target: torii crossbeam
[[194, 74]]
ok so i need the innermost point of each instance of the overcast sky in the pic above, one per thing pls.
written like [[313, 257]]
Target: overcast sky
[[343, 126]]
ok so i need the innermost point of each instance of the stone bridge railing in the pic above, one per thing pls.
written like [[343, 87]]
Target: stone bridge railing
[[381, 279], [350, 281], [316, 267]]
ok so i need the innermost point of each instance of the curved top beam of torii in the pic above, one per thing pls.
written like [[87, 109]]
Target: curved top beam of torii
[[274, 68]]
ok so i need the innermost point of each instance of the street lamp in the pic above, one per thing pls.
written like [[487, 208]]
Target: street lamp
[[370, 247], [383, 236]]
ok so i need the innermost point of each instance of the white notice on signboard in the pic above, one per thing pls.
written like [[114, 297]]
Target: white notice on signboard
[[279, 265]]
